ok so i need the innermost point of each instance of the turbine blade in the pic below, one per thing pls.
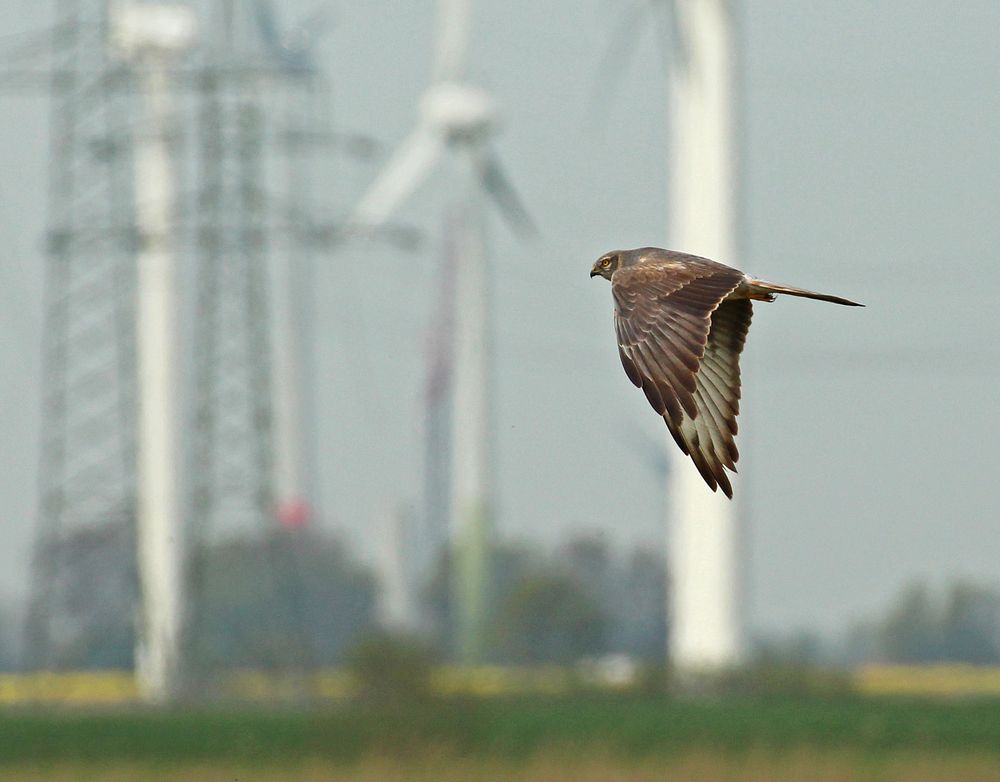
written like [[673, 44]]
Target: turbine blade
[[267, 24], [450, 41], [652, 451], [401, 176], [312, 27], [676, 25], [498, 185], [616, 58], [622, 45]]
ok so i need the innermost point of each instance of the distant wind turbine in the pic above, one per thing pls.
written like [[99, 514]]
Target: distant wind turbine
[[705, 548], [704, 552], [151, 37], [459, 119]]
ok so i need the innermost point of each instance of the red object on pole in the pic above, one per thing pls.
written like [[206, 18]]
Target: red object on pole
[[294, 514]]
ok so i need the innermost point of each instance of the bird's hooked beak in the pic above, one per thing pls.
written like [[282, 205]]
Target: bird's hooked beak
[[594, 271]]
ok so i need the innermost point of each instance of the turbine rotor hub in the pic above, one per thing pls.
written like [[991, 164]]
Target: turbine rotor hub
[[459, 111]]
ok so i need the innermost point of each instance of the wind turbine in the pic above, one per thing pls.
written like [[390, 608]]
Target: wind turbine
[[437, 402], [459, 119], [705, 564], [152, 36]]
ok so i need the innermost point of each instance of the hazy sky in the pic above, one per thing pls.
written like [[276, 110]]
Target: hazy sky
[[871, 159]]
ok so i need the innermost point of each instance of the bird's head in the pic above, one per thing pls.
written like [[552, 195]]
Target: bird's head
[[606, 265]]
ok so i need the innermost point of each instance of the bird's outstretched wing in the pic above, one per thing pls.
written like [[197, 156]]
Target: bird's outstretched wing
[[680, 342]]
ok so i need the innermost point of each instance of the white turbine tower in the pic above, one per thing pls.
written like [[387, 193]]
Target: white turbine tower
[[706, 632], [458, 118], [151, 36], [705, 563]]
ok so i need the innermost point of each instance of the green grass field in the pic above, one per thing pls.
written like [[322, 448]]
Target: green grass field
[[579, 738]]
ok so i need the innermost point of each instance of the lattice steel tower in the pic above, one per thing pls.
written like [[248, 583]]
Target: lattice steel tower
[[87, 471], [259, 118], [248, 111]]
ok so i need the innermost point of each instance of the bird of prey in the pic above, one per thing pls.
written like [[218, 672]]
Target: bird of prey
[[681, 322]]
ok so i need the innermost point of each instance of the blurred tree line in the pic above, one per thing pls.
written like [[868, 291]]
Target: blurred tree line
[[292, 599], [580, 600], [285, 598], [299, 598], [958, 623]]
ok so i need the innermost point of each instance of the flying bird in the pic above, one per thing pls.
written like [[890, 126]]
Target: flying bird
[[681, 322]]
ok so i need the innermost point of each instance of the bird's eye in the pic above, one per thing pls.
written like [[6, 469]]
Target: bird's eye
[[605, 263]]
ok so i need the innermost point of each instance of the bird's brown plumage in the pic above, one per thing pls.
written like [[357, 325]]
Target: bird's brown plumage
[[682, 322], [680, 342]]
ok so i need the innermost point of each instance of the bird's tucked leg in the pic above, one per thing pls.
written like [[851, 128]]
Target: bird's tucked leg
[[759, 295]]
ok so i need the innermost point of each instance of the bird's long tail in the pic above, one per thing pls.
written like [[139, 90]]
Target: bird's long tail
[[763, 290]]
